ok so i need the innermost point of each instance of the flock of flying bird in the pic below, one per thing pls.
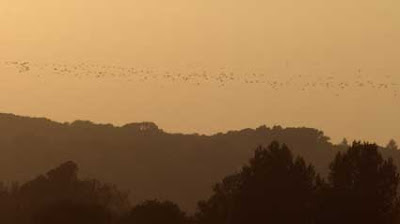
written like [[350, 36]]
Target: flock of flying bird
[[221, 78]]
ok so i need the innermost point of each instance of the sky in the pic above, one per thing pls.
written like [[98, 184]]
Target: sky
[[298, 43]]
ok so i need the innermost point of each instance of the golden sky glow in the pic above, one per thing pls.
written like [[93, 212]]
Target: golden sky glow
[[350, 40]]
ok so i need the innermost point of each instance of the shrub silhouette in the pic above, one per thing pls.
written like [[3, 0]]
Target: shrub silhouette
[[156, 212]]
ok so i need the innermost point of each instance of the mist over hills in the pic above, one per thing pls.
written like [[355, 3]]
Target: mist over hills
[[142, 158]]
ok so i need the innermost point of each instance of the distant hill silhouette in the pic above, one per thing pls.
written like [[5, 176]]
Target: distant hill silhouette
[[142, 158]]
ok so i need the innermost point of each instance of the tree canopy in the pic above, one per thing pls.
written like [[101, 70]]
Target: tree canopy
[[362, 187], [275, 187]]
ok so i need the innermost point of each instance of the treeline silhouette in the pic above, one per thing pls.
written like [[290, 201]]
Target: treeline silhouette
[[147, 161], [274, 187], [277, 187]]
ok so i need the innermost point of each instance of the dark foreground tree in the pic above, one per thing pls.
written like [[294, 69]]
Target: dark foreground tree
[[274, 188], [61, 197], [156, 212], [362, 188]]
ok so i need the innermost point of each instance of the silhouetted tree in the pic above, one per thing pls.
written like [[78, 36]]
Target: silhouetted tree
[[392, 145], [274, 188], [362, 188], [219, 208], [344, 143], [156, 212], [61, 197]]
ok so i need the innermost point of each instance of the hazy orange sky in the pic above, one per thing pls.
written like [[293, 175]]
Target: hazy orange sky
[[347, 39]]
